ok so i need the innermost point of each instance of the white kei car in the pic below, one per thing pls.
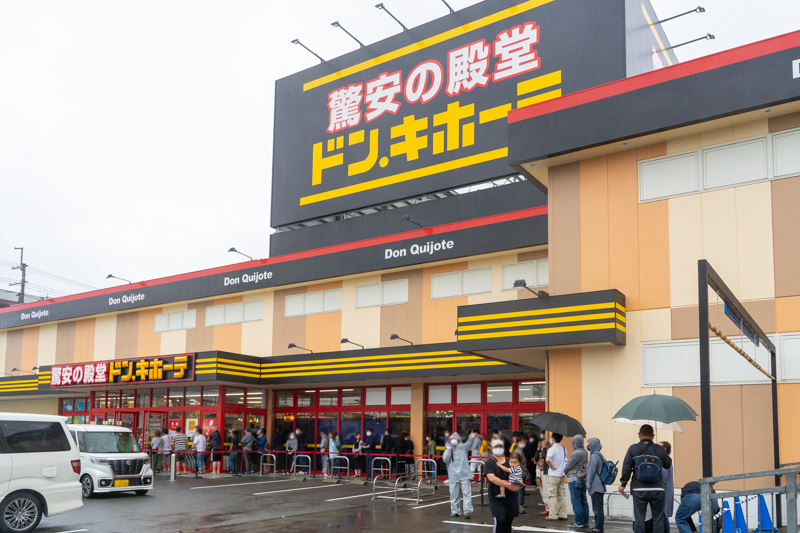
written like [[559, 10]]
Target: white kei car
[[39, 470], [111, 460]]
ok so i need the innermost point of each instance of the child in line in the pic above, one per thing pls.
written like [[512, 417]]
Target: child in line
[[514, 472]]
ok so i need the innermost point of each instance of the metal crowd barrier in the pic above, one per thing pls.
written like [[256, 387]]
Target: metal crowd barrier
[[273, 464], [295, 466], [336, 470], [788, 489], [384, 473], [482, 474]]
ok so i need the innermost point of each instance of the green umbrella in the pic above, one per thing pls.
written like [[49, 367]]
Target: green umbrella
[[657, 407]]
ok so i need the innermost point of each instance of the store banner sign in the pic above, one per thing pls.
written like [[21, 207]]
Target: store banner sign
[[425, 110], [518, 229], [149, 369]]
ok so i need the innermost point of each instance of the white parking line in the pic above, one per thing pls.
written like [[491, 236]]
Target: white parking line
[[358, 496], [292, 490], [74, 531], [235, 485], [440, 503], [515, 528]]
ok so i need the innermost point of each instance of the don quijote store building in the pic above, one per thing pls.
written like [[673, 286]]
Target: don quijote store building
[[414, 183]]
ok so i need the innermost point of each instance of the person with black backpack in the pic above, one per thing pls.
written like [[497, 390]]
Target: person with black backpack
[[595, 485], [644, 461]]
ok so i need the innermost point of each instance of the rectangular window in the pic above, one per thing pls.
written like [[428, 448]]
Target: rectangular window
[[446, 285], [668, 176], [210, 396], [786, 148], [285, 398], [143, 398], [215, 316], [439, 394], [128, 399], [395, 292], [328, 398], [294, 305], [234, 396], [401, 395], [253, 311], [176, 397], [789, 358], [470, 393], [734, 164], [368, 295], [313, 303], [499, 393], [159, 398], [528, 271], [34, 437], [175, 321], [532, 391], [234, 313], [376, 396], [193, 397], [351, 397], [256, 399], [305, 398]]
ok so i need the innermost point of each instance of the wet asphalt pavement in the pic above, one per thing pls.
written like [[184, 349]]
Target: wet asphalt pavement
[[222, 504]]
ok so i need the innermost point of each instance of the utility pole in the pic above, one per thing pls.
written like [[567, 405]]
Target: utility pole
[[22, 266]]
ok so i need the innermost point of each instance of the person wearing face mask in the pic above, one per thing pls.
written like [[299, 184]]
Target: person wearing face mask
[[504, 510], [291, 450], [459, 475], [369, 448], [557, 500]]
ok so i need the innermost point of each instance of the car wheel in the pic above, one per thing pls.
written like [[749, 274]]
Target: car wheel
[[20, 513], [141, 492], [87, 486]]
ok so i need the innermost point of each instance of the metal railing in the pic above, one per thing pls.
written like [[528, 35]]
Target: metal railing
[[789, 489], [263, 463], [336, 469], [482, 474], [384, 473], [296, 467]]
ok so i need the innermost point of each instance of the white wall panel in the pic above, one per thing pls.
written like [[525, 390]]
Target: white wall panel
[[668, 176], [736, 163]]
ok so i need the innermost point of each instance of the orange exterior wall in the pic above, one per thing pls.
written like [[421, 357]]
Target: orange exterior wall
[[440, 317]]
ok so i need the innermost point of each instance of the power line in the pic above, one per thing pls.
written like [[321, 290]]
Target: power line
[[54, 277]]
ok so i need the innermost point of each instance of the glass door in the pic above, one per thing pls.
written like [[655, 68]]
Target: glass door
[[466, 423], [127, 419], [502, 423]]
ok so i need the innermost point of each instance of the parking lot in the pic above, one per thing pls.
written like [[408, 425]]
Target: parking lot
[[227, 504]]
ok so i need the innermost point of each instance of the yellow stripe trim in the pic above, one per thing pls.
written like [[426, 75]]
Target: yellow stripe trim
[[231, 361], [539, 98], [554, 310], [655, 34], [536, 84], [620, 317], [379, 363], [365, 358], [555, 320], [426, 43], [621, 327], [495, 113], [621, 307], [207, 360], [542, 331], [390, 369], [476, 159], [20, 382], [210, 365], [245, 374]]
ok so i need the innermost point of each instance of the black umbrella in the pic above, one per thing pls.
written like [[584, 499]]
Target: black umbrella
[[559, 423]]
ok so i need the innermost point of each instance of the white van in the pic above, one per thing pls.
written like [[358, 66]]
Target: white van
[[39, 470], [111, 460]]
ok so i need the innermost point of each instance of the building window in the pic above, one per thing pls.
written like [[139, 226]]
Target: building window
[[468, 393], [464, 283], [535, 273], [234, 313], [351, 397], [175, 321], [210, 396], [305, 398], [234, 396], [313, 303], [499, 393], [440, 394], [386, 293], [721, 166], [532, 391], [329, 398], [376, 396], [401, 395], [285, 398], [193, 397]]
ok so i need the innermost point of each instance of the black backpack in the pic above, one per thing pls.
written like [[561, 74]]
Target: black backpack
[[648, 466]]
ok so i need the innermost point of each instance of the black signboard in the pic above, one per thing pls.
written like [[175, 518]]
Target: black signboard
[[425, 110]]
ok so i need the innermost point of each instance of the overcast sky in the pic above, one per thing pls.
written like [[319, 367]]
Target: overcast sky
[[136, 137]]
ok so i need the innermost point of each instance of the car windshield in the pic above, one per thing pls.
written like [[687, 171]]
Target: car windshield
[[108, 442]]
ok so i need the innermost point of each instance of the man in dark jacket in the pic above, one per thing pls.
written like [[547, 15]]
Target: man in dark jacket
[[645, 493], [302, 449], [278, 447], [369, 448], [233, 456], [388, 445]]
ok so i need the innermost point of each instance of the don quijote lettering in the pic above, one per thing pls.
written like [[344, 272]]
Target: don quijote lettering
[[429, 248], [34, 314], [126, 299], [254, 277]]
